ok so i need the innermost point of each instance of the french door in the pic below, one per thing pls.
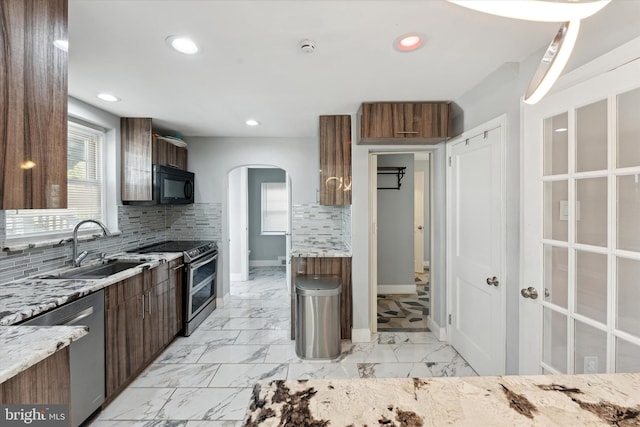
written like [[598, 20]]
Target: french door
[[580, 295]]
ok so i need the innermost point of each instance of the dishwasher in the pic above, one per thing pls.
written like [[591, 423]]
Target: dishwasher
[[86, 355]]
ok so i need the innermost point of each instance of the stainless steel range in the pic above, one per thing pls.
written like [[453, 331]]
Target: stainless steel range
[[201, 266]]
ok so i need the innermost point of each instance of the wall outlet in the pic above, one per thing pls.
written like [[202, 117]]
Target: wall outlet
[[591, 364], [283, 260]]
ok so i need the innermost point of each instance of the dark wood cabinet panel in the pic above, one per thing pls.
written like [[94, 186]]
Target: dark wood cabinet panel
[[124, 327], [340, 267], [136, 147], [33, 104], [403, 122], [335, 160], [168, 154], [46, 382]]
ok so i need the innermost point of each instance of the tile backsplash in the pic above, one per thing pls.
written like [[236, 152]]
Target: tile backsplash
[[139, 226], [318, 223]]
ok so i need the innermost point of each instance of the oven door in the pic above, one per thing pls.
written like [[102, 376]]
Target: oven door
[[201, 284]]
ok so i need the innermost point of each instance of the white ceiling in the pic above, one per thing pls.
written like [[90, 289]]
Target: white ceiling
[[250, 64]]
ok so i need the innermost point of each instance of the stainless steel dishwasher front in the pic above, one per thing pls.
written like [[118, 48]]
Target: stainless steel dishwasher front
[[86, 354]]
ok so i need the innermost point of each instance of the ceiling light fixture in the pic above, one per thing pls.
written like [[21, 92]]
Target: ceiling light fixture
[[182, 44], [108, 97], [252, 122], [408, 42], [536, 10], [553, 62], [62, 45]]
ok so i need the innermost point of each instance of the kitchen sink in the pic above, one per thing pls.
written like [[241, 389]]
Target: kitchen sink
[[96, 271]]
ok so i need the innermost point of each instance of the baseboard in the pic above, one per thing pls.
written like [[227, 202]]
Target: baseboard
[[396, 289], [361, 335], [440, 333], [222, 301], [265, 263], [426, 264]]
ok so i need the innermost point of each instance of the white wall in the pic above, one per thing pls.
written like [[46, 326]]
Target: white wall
[[235, 213], [211, 158]]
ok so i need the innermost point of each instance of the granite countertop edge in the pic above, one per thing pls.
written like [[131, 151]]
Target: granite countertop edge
[[41, 294], [593, 399], [24, 346]]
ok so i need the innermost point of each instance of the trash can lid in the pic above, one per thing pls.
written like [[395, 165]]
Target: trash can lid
[[318, 285]]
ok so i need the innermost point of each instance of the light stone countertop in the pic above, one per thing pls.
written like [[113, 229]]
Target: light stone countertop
[[544, 400], [318, 249], [26, 298], [23, 346]]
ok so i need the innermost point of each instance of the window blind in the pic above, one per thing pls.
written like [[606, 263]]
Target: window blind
[[84, 187], [274, 207]]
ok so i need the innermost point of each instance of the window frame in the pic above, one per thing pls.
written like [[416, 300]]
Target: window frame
[[264, 210]]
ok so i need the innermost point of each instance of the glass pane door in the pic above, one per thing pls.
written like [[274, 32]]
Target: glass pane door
[[590, 246]]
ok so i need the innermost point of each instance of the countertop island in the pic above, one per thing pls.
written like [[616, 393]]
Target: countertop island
[[545, 400]]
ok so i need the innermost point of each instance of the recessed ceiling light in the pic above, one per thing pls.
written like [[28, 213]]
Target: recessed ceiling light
[[108, 97], [408, 42], [252, 122], [183, 44], [560, 130], [62, 45]]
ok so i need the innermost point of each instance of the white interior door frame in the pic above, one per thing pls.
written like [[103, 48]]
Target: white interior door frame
[[244, 224], [499, 122], [418, 222], [373, 242]]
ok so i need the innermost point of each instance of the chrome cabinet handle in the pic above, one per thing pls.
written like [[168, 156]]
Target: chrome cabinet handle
[[493, 281], [529, 292], [406, 132], [76, 317], [178, 267]]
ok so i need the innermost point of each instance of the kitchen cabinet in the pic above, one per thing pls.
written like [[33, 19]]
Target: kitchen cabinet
[[333, 266], [47, 382], [168, 154], [140, 151], [403, 123], [33, 110], [137, 151], [140, 321], [176, 283], [335, 160]]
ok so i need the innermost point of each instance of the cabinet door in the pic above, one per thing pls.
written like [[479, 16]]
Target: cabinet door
[[403, 122], [168, 154], [33, 111], [335, 160], [124, 305], [136, 145], [181, 157], [176, 270]]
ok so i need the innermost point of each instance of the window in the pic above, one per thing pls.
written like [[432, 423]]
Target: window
[[84, 186], [274, 208]]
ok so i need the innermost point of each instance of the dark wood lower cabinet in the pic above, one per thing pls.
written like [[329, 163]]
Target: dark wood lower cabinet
[[140, 321], [176, 270], [340, 267], [46, 382]]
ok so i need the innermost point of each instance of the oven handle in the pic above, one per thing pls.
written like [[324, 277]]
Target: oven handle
[[201, 263], [206, 282]]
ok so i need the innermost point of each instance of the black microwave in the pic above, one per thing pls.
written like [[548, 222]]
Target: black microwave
[[172, 186]]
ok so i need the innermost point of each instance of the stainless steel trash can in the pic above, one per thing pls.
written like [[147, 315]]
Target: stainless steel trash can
[[318, 316]]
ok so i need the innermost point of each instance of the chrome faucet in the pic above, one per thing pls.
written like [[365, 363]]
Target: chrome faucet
[[77, 259]]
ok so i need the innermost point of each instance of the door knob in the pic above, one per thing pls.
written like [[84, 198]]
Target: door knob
[[529, 292], [419, 227], [492, 281]]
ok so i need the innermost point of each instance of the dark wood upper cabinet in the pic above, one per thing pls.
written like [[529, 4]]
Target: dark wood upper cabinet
[[140, 150], [33, 104], [168, 154], [335, 160], [136, 147], [403, 122]]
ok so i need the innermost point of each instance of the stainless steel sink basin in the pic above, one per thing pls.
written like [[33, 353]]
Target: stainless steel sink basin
[[98, 271]]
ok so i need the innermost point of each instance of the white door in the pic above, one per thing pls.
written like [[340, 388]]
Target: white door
[[581, 228], [418, 219], [476, 236]]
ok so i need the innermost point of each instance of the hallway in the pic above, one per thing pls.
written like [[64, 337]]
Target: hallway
[[206, 380]]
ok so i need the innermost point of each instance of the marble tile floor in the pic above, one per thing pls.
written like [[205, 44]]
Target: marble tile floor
[[406, 313], [206, 380]]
